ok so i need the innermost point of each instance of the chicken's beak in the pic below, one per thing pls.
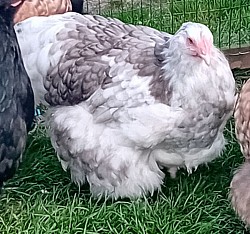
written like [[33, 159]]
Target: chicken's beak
[[206, 58]]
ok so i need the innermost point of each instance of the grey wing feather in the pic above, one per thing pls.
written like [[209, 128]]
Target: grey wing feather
[[83, 69]]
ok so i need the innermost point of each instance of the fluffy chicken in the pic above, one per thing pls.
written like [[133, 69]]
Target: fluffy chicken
[[127, 100], [30, 8], [240, 191], [16, 95]]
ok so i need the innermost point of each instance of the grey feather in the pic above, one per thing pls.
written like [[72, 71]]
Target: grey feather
[[83, 52]]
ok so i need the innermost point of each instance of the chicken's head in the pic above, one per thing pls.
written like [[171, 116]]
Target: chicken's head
[[195, 40]]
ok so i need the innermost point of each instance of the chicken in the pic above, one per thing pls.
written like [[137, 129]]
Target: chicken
[[77, 6], [16, 95], [240, 191], [31, 8], [125, 101]]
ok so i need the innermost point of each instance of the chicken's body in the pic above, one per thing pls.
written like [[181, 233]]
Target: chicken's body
[[121, 109], [240, 191], [16, 97], [31, 8]]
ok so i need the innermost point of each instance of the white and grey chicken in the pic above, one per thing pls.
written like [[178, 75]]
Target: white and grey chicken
[[126, 100]]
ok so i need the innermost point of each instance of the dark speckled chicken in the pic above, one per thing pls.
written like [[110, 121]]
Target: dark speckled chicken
[[77, 6], [16, 96]]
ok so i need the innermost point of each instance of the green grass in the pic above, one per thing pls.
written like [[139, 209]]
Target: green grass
[[229, 20], [41, 198]]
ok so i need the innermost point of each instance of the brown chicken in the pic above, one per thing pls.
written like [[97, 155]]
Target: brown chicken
[[31, 8], [240, 189]]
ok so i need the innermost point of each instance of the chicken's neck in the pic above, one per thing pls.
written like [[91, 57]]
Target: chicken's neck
[[191, 81]]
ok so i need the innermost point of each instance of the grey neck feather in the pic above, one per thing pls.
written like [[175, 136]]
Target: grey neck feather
[[188, 78]]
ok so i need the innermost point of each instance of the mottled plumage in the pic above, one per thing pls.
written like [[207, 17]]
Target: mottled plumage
[[16, 96], [242, 119], [240, 190], [127, 99]]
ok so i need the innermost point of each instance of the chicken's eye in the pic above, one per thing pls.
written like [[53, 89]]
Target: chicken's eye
[[190, 41]]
